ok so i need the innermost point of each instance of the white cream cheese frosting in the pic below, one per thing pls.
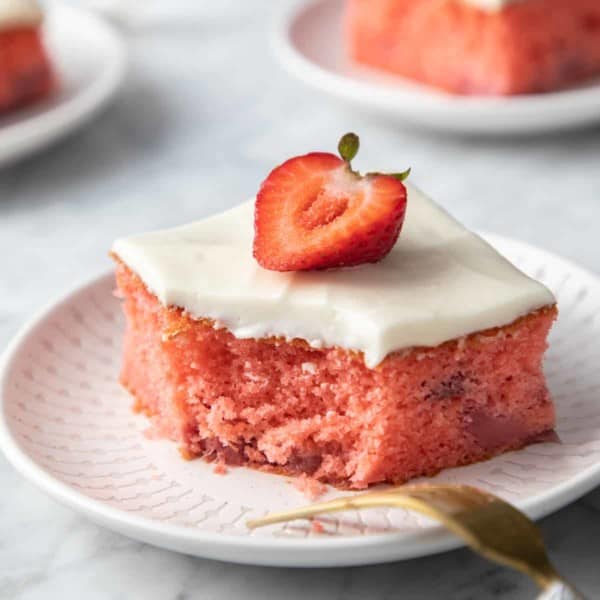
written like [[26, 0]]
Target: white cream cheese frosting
[[440, 282], [15, 13], [491, 5]]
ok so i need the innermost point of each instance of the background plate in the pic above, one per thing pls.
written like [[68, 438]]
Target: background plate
[[66, 424], [308, 42], [90, 61]]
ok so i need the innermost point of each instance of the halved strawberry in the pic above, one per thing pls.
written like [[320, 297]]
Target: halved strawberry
[[315, 212]]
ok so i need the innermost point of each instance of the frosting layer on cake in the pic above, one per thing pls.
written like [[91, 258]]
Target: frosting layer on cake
[[440, 282], [491, 5], [16, 13]]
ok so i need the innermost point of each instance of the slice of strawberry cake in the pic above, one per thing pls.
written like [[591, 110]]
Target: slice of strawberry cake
[[340, 327], [494, 47], [25, 71]]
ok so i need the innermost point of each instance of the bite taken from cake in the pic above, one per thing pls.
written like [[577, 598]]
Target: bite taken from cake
[[339, 327]]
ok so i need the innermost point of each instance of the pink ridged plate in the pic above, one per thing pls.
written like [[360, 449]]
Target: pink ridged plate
[[66, 425]]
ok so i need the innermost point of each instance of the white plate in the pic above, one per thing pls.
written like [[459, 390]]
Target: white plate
[[66, 425], [309, 43], [90, 62]]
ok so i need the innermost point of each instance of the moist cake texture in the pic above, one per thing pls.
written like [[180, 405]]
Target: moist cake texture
[[430, 359], [486, 47]]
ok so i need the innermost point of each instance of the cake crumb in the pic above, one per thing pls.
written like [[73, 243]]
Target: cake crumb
[[309, 487], [186, 454], [220, 469], [309, 367], [317, 527]]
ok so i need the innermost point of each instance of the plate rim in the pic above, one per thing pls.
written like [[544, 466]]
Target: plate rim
[[34, 132], [584, 108], [304, 552]]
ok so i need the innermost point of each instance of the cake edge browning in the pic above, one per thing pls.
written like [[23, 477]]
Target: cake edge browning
[[459, 416]]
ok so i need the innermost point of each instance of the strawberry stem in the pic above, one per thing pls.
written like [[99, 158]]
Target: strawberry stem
[[401, 176], [348, 146]]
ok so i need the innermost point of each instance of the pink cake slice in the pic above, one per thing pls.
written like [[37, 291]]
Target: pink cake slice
[[476, 47], [26, 74], [226, 392]]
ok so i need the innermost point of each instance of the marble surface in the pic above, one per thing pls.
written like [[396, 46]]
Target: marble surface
[[204, 114]]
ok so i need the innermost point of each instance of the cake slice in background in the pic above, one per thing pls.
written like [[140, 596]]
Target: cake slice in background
[[427, 359], [25, 71], [488, 47]]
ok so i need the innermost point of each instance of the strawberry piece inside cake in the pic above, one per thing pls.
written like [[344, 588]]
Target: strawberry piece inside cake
[[489, 47], [25, 71], [429, 358]]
